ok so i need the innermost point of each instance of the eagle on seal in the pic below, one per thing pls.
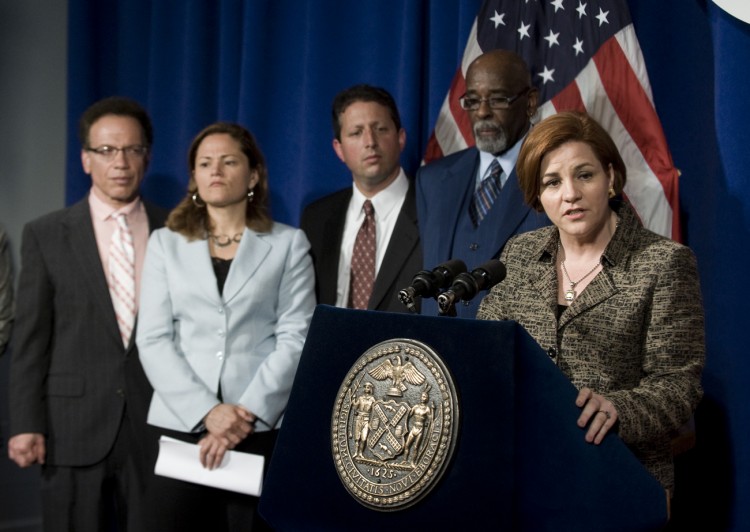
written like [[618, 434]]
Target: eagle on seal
[[398, 373]]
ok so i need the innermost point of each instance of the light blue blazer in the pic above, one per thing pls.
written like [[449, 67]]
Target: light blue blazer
[[249, 341]]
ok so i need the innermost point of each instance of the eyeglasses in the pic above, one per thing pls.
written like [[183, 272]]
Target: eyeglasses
[[110, 152], [471, 103]]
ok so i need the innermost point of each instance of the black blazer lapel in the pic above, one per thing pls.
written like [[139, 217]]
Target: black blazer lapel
[[404, 241], [327, 260], [79, 230]]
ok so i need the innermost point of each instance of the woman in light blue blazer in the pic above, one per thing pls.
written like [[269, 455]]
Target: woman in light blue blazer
[[226, 300]]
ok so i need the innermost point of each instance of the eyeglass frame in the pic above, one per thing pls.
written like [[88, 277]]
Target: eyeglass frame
[[508, 101], [110, 152]]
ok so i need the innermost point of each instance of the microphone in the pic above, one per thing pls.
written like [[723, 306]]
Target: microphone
[[428, 283], [467, 285]]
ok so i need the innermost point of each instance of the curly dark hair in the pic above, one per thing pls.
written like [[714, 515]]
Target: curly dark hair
[[115, 105]]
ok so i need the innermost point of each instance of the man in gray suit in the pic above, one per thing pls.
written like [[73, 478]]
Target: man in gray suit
[[78, 395], [368, 138]]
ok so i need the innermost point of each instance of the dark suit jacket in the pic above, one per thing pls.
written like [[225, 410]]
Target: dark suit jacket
[[634, 335], [444, 192], [323, 223], [70, 376]]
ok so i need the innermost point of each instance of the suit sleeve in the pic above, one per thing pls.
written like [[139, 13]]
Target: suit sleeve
[[673, 361], [32, 339], [170, 374], [268, 392]]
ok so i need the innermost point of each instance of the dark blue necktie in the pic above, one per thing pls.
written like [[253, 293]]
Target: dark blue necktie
[[486, 194]]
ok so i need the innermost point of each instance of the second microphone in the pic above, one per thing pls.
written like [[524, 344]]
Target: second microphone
[[467, 285]]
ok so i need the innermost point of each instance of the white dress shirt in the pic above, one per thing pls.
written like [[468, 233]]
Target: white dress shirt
[[387, 205]]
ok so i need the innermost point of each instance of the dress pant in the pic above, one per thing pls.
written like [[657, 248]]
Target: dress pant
[[105, 496], [175, 505]]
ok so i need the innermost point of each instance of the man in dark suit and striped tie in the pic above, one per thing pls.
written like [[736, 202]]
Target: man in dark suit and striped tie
[[78, 395]]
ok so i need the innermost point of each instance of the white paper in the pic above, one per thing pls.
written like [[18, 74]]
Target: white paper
[[240, 472]]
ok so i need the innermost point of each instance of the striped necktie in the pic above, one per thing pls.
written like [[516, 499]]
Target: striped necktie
[[363, 261], [486, 194], [122, 276]]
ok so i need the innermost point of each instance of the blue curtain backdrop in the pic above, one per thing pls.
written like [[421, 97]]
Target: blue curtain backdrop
[[276, 65], [273, 66]]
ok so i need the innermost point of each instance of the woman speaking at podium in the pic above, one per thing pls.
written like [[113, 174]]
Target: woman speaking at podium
[[617, 307]]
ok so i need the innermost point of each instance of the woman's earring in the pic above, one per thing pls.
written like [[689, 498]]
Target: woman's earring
[[250, 196], [197, 201]]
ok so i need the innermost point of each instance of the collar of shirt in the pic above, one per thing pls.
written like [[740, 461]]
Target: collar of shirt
[[102, 211], [384, 202], [104, 227], [387, 204], [507, 161]]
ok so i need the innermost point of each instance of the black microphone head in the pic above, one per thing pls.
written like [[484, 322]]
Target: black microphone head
[[489, 274], [444, 273]]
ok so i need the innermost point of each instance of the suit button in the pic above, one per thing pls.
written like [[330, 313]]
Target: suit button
[[552, 352], [221, 310], [220, 332], [473, 246], [120, 392], [220, 355]]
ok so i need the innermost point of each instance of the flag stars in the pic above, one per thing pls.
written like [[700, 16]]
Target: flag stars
[[523, 31], [578, 46], [602, 17], [558, 5], [546, 75], [552, 38], [498, 19], [581, 10]]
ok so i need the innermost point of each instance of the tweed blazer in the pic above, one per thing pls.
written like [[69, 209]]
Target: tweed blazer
[[246, 341], [634, 335]]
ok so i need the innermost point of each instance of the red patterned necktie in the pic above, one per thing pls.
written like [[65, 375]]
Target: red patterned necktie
[[122, 276], [363, 261], [486, 195]]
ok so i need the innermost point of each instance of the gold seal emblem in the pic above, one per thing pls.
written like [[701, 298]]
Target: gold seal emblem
[[394, 424]]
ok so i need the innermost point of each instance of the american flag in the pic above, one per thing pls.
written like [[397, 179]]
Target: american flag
[[583, 55]]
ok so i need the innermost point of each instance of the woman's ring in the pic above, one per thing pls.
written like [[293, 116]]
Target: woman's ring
[[605, 413]]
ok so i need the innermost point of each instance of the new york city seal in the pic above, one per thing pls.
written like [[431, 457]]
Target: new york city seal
[[395, 424]]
